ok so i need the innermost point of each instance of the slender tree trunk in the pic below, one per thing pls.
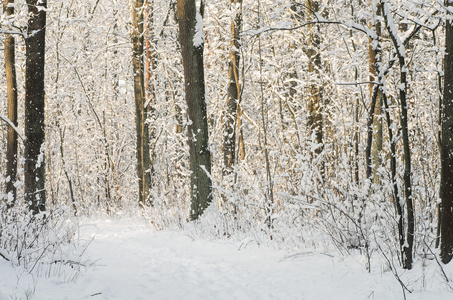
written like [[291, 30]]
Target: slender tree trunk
[[150, 67], [34, 169], [10, 68], [439, 129], [396, 197], [241, 143], [400, 50], [191, 39], [407, 262], [369, 127], [446, 176], [315, 109], [141, 109], [377, 139], [234, 91], [375, 61], [373, 137], [356, 117], [269, 194], [64, 165]]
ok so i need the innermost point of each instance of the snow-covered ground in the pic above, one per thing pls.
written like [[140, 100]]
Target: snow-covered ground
[[133, 261]]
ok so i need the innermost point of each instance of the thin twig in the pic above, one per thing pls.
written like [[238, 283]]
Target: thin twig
[[392, 268]]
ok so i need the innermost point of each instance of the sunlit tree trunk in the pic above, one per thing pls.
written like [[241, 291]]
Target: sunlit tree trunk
[[34, 169], [141, 109], [446, 177], [190, 21], [10, 68], [375, 59], [234, 91]]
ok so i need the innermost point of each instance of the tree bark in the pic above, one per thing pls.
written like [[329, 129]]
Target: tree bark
[[396, 197], [34, 169], [150, 67], [191, 40], [374, 50], [315, 118], [10, 68], [400, 51], [375, 61], [141, 109], [234, 91], [446, 176]]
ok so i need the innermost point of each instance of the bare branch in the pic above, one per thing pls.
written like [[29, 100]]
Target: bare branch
[[12, 126]]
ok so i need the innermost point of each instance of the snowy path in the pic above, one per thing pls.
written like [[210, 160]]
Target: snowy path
[[136, 262]]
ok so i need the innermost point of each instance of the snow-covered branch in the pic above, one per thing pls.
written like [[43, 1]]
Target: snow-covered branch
[[12, 126]]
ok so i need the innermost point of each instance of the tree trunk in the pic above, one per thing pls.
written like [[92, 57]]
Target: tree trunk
[[34, 169], [400, 50], [315, 118], [377, 139], [141, 109], [375, 61], [269, 191], [407, 260], [234, 91], [150, 66], [374, 126], [446, 175], [241, 143], [10, 68], [191, 39], [396, 197]]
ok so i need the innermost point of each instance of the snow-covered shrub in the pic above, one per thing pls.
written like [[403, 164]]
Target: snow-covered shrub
[[43, 244]]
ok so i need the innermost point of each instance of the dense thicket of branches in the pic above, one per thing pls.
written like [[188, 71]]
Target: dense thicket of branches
[[299, 108]]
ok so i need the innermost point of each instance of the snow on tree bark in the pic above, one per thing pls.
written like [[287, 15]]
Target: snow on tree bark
[[143, 165], [197, 129]]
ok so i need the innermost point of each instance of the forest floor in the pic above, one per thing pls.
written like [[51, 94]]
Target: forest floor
[[128, 259]]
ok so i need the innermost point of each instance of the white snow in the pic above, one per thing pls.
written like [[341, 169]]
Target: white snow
[[134, 261], [393, 30], [198, 37]]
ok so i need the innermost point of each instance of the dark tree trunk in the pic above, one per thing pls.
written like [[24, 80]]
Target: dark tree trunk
[[190, 36], [10, 68], [315, 107], [399, 47], [446, 177], [141, 109], [396, 197], [34, 169], [375, 62], [408, 246]]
